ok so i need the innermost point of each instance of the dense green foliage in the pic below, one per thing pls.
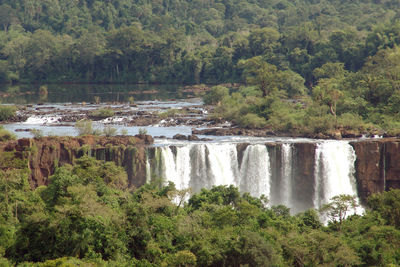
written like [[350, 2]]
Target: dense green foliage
[[360, 102], [187, 41], [87, 215], [339, 60]]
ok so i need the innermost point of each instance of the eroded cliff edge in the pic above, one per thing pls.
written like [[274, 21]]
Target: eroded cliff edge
[[43, 155], [377, 167]]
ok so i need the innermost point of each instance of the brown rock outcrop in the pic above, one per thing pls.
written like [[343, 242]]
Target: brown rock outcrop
[[44, 155], [377, 166]]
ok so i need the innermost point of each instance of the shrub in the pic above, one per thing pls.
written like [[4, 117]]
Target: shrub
[[85, 127], [215, 95], [231, 107], [351, 121], [142, 131], [97, 99], [6, 135], [320, 124], [37, 133], [6, 112], [102, 113], [172, 112], [43, 90], [252, 120], [109, 131]]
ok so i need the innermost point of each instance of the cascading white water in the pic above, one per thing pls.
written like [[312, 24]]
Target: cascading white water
[[286, 175], [176, 168], [148, 170], [204, 165], [255, 171], [223, 163], [334, 171]]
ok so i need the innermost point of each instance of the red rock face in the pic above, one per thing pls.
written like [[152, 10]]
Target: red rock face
[[392, 165], [45, 154], [377, 166]]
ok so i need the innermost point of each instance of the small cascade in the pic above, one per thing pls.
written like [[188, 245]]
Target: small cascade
[[148, 170], [334, 171], [255, 171], [286, 175]]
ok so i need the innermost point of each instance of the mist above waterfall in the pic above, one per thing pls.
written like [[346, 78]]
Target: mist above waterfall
[[297, 175]]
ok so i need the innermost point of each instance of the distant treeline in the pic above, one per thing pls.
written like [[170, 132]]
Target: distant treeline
[[187, 41]]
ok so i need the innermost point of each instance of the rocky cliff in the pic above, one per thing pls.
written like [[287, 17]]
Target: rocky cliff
[[377, 166], [43, 155]]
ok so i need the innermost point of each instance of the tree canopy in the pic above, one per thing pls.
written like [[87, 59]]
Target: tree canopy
[[187, 41], [87, 216]]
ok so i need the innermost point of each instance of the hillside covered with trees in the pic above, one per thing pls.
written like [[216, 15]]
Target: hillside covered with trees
[[181, 41], [310, 66]]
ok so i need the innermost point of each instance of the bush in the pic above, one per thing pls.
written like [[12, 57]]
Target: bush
[[6, 112], [6, 135], [215, 95], [109, 131], [43, 90], [320, 124], [37, 133], [251, 120], [231, 107], [102, 113], [85, 127], [351, 121], [142, 131], [172, 112]]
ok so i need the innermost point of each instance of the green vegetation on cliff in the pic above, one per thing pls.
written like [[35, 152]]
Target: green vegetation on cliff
[[87, 215]]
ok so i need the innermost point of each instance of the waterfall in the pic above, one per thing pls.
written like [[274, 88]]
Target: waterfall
[[223, 163], [286, 175], [148, 170], [299, 176], [176, 168], [334, 171], [255, 171], [199, 168]]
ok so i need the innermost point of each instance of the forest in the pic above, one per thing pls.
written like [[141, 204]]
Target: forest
[[87, 216], [181, 41], [310, 66], [306, 67]]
